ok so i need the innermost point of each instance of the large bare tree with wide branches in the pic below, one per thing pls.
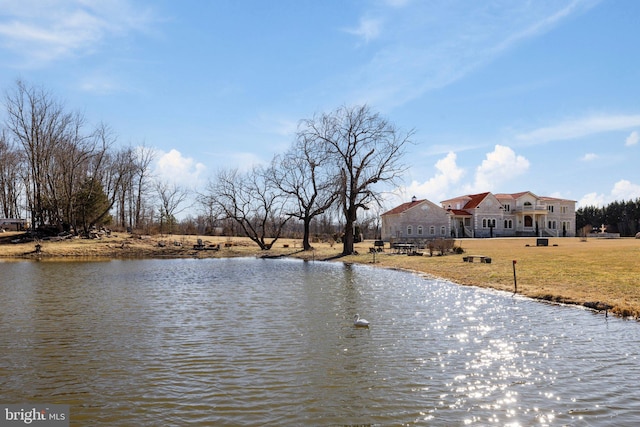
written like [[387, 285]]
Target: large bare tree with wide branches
[[366, 150], [252, 201], [304, 173]]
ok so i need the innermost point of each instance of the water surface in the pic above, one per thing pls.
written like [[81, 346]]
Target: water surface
[[271, 342]]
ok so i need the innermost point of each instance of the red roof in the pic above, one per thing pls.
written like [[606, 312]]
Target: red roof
[[459, 212], [403, 207], [472, 201], [475, 200]]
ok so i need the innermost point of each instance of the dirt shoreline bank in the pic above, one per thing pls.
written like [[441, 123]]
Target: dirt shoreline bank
[[601, 274]]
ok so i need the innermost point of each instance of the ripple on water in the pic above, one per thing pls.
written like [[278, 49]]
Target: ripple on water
[[252, 342]]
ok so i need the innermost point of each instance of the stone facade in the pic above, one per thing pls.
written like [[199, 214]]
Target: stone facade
[[481, 215], [414, 221]]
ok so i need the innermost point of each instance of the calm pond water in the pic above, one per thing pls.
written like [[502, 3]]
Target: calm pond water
[[271, 342]]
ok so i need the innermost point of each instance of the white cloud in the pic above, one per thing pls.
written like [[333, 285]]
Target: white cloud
[[436, 188], [100, 84], [433, 44], [632, 139], [41, 32], [500, 166], [241, 160], [625, 190], [174, 168], [368, 29], [588, 157], [591, 199], [540, 25], [622, 190], [578, 128]]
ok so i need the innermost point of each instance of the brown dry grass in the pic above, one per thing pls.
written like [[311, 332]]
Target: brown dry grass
[[604, 271], [576, 272]]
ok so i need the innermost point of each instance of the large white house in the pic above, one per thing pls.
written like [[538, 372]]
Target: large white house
[[481, 215]]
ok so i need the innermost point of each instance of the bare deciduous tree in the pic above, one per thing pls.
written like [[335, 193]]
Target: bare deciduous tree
[[38, 123], [304, 173], [67, 168], [10, 179], [171, 196], [107, 170], [367, 150], [144, 156], [70, 165], [252, 201]]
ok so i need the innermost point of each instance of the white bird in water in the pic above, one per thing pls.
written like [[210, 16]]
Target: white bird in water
[[358, 322]]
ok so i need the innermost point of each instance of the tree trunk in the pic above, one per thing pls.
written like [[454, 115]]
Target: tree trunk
[[347, 239], [306, 246]]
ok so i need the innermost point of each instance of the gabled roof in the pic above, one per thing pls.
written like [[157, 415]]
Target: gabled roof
[[455, 199], [404, 207], [475, 200], [470, 200], [504, 196], [514, 196]]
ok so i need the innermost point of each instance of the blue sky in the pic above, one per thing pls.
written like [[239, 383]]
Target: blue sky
[[504, 96]]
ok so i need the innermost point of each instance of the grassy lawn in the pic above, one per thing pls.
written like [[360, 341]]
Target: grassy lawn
[[569, 270]]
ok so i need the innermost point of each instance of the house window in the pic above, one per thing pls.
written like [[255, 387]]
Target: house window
[[563, 209], [419, 230], [508, 223], [552, 225], [507, 208], [550, 208], [409, 230], [432, 230], [488, 222], [443, 230]]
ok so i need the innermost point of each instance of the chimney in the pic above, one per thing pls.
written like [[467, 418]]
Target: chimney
[[414, 199]]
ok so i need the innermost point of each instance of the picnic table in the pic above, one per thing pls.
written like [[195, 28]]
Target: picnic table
[[403, 248], [481, 258]]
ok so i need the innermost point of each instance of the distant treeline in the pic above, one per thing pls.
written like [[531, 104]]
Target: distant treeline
[[617, 217]]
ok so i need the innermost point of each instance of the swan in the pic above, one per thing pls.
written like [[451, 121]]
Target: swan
[[358, 322]]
